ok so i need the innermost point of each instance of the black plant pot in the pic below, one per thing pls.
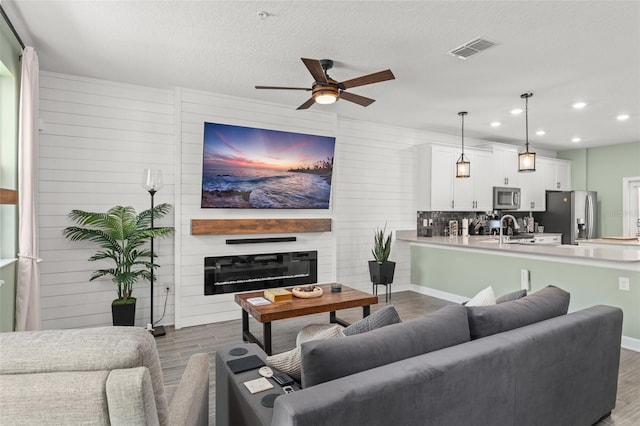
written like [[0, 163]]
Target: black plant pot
[[124, 313], [381, 273]]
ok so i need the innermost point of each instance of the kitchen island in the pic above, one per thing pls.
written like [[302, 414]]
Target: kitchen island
[[613, 242], [579, 254], [456, 268]]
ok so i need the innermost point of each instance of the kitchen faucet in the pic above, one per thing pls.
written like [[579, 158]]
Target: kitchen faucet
[[515, 226]]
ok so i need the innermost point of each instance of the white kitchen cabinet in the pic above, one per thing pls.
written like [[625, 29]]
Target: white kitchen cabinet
[[532, 195], [436, 171], [439, 189], [551, 175], [563, 175], [476, 192], [505, 166]]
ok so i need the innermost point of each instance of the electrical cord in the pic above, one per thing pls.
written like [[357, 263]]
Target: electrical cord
[[166, 296]]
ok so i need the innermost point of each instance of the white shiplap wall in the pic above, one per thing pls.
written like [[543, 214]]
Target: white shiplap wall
[[194, 109], [96, 138]]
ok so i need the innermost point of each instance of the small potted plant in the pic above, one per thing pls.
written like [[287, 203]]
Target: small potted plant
[[381, 269], [122, 235]]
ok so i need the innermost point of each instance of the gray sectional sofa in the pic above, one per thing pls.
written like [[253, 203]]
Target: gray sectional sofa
[[522, 362]]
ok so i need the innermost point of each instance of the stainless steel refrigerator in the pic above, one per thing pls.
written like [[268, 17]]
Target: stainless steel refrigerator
[[573, 213]]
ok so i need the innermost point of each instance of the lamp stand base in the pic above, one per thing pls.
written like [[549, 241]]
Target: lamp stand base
[[156, 332]]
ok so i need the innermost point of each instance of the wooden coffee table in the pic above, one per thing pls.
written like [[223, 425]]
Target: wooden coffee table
[[328, 302]]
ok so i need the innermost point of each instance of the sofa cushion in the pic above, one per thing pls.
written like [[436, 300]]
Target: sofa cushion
[[544, 304], [383, 317], [327, 360], [289, 362], [84, 349], [514, 295], [485, 297]]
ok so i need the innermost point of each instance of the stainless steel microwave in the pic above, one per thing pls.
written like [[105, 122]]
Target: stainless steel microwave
[[506, 198]]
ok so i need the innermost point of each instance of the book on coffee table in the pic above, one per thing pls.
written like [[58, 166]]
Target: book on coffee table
[[258, 301], [277, 295]]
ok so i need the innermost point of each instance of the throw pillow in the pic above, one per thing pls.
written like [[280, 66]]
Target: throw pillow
[[327, 360], [289, 362], [539, 306], [515, 295], [485, 297], [385, 316]]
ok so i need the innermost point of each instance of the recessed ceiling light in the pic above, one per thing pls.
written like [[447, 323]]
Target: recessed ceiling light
[[541, 133], [516, 111], [622, 117], [579, 105], [576, 140], [495, 124]]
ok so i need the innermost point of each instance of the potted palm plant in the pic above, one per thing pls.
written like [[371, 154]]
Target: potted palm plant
[[122, 235], [381, 269]]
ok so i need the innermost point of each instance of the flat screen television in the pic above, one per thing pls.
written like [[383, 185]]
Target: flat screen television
[[245, 167]]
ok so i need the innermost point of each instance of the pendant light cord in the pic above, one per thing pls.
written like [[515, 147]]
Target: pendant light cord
[[462, 134], [526, 120]]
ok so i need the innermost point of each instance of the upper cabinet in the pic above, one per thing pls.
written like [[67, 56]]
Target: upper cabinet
[[551, 175], [505, 166], [557, 174], [439, 189]]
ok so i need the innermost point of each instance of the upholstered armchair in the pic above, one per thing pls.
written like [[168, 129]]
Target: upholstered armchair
[[98, 376]]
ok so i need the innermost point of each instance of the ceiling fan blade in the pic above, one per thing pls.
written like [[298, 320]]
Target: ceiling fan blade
[[368, 79], [315, 68], [307, 104], [357, 99], [283, 88]]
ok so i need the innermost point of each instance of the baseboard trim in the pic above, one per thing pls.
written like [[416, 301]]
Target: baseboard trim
[[627, 342], [631, 343], [437, 293]]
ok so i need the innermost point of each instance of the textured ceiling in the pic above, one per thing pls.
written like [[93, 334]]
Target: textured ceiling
[[562, 51]]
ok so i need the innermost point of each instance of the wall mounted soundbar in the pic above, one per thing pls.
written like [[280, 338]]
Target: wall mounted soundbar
[[260, 240]]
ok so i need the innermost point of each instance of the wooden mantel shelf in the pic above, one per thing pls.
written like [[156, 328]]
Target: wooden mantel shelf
[[257, 226], [8, 196]]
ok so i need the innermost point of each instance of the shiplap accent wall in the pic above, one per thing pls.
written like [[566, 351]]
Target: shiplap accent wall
[[96, 138], [195, 108]]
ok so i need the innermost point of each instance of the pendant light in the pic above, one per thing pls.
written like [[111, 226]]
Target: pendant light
[[463, 166], [527, 159]]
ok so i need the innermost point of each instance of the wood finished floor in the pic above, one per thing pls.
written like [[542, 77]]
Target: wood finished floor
[[178, 345]]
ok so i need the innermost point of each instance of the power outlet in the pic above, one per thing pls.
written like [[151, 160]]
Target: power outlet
[[525, 280], [623, 283]]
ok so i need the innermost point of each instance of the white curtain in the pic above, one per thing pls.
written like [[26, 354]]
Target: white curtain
[[28, 277]]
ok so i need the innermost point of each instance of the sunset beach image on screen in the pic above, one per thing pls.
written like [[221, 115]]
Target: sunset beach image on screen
[[245, 167]]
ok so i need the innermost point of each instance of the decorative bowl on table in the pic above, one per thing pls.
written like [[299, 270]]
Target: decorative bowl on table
[[307, 292]]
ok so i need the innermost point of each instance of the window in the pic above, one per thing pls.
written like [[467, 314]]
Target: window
[[10, 51]]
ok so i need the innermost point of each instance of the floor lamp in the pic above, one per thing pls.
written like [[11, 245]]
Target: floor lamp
[[152, 182]]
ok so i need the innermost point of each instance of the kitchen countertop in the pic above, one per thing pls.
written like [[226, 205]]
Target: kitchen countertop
[[613, 241], [490, 244]]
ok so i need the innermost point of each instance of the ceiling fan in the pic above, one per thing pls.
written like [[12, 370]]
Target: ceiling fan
[[326, 90]]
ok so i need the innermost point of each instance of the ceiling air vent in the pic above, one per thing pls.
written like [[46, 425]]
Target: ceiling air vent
[[472, 47]]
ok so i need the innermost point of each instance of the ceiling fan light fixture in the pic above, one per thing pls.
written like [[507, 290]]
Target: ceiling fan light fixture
[[325, 95], [527, 159], [325, 98], [463, 165]]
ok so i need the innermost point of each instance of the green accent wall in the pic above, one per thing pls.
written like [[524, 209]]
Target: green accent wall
[[601, 169], [465, 273], [578, 158]]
